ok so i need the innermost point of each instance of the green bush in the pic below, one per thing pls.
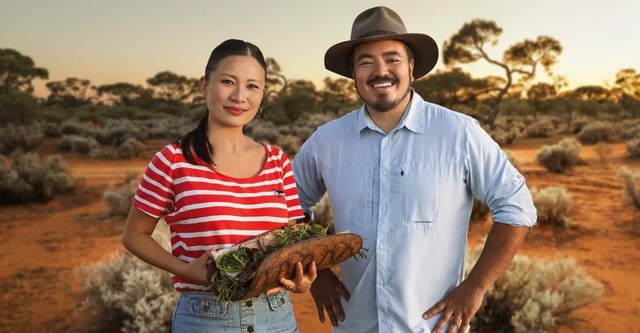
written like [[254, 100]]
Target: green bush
[[560, 157], [30, 179], [534, 295], [553, 205]]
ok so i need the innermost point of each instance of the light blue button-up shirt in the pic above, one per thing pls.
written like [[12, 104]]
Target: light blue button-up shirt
[[409, 194]]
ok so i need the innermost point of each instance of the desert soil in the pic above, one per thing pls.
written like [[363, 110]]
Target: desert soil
[[44, 244]]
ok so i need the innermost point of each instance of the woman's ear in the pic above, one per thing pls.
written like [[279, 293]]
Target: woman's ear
[[202, 84]]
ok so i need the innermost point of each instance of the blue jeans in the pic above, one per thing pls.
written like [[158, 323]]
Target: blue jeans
[[200, 312]]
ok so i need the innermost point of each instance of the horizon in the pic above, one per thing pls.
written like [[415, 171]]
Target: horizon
[[131, 42]]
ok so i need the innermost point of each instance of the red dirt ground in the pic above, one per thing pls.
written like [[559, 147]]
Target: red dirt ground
[[44, 244]]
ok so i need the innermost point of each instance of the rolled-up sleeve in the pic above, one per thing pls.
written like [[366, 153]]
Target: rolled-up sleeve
[[493, 180]]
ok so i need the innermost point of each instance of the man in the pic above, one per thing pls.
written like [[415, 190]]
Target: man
[[402, 173]]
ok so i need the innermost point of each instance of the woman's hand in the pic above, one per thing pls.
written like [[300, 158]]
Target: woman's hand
[[200, 270], [301, 282]]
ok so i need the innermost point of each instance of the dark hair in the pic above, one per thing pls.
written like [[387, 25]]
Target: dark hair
[[197, 138]]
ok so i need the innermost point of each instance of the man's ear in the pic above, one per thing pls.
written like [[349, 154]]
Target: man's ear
[[411, 64]]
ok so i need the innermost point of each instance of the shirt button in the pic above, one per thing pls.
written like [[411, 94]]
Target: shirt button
[[249, 303], [250, 329]]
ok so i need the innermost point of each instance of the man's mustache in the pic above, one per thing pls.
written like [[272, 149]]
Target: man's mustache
[[386, 78]]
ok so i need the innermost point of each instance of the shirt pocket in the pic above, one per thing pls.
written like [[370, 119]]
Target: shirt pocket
[[420, 193], [351, 195]]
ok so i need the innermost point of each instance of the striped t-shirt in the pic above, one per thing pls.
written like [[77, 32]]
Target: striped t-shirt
[[207, 210]]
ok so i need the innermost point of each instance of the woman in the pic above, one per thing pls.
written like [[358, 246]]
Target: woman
[[216, 187]]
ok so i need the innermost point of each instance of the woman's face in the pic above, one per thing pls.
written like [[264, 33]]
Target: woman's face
[[234, 91]]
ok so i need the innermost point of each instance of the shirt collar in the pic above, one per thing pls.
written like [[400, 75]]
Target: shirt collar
[[411, 119]]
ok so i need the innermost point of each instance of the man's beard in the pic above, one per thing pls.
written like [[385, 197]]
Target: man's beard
[[382, 102]]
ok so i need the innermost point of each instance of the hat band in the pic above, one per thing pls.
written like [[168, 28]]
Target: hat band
[[376, 33]]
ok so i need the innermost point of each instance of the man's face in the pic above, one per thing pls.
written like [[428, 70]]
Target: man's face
[[382, 73]]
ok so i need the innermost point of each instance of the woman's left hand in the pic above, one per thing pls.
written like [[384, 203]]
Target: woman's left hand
[[301, 282]]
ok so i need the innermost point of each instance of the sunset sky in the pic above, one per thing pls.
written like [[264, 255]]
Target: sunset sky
[[130, 41]]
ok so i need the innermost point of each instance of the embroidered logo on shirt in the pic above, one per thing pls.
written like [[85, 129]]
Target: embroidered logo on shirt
[[278, 193], [423, 221]]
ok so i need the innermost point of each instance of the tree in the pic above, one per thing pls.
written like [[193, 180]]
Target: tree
[[123, 93], [596, 93], [339, 96], [628, 85], [72, 92], [301, 97], [629, 81], [17, 71], [276, 81], [521, 60], [453, 87], [173, 88], [539, 93]]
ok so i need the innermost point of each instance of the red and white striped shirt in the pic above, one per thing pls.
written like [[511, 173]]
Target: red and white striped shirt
[[207, 210]]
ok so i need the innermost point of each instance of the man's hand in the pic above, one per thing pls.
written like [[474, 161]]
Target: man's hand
[[458, 308], [325, 291]]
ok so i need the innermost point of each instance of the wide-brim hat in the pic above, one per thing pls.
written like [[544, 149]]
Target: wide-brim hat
[[382, 23]]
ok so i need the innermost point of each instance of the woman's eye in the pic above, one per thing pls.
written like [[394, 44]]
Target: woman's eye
[[227, 82], [253, 87]]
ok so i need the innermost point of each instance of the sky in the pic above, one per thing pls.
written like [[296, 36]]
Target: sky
[[132, 40]]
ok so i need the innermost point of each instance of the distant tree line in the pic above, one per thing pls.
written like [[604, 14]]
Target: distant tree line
[[291, 101]]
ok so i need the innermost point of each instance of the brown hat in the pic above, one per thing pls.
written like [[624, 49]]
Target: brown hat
[[382, 23]]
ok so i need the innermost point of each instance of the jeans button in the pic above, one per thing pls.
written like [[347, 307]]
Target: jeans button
[[250, 329], [249, 304]]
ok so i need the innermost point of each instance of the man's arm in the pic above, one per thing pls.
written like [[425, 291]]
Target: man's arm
[[459, 307]]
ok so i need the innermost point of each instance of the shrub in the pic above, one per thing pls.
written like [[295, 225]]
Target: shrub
[[71, 127], [633, 147], [604, 152], [513, 159], [553, 204], [629, 132], [128, 295], [578, 124], [503, 137], [323, 214], [290, 144], [130, 148], [23, 138], [119, 196], [79, 144], [542, 128], [29, 179], [263, 131], [595, 132], [535, 295], [560, 157], [631, 186]]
